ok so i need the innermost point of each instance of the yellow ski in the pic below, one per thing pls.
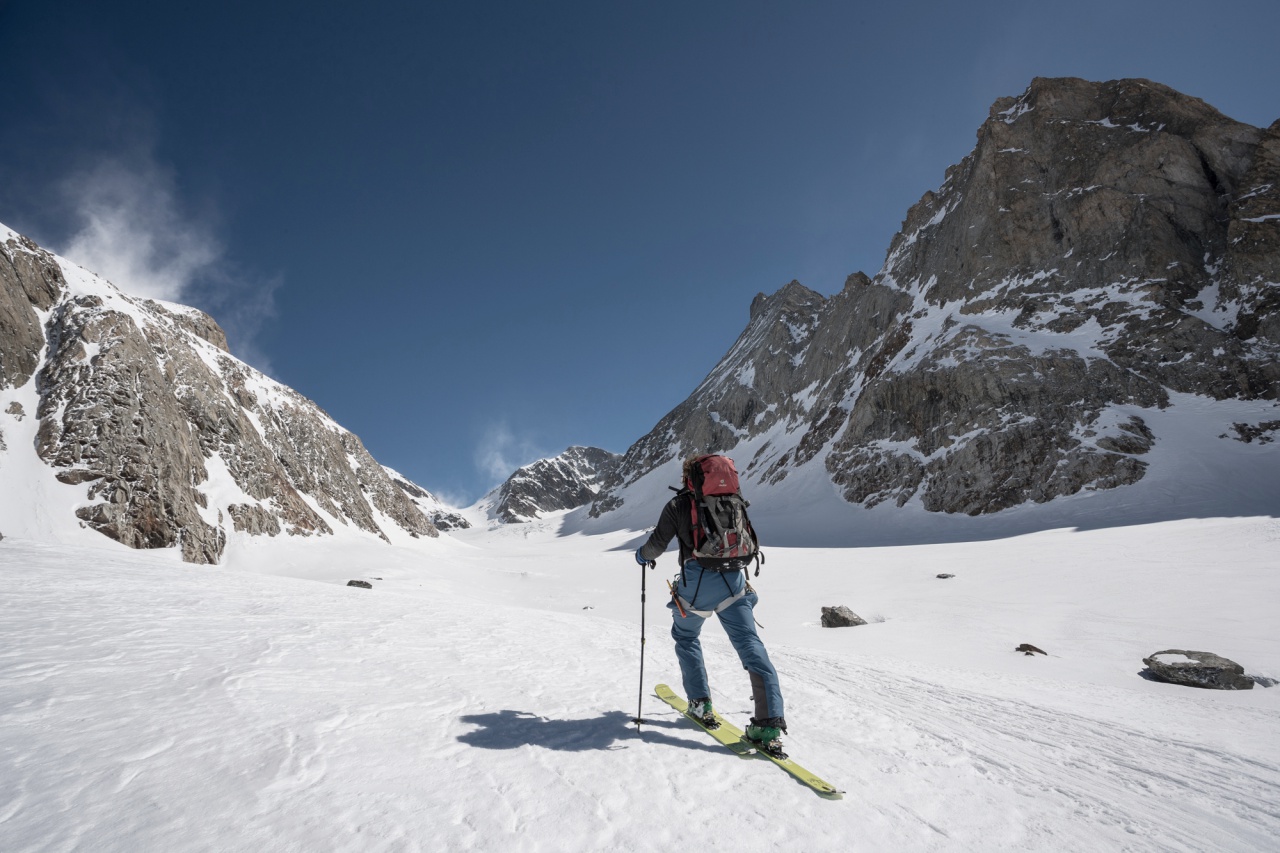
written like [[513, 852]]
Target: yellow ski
[[733, 738]]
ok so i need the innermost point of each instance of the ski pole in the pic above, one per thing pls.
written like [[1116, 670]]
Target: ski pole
[[640, 700]]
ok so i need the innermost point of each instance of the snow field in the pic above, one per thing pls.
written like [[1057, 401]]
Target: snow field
[[470, 702]]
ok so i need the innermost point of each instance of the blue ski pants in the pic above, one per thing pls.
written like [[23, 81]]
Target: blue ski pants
[[705, 590]]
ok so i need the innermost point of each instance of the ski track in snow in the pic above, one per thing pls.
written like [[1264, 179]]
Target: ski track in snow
[[1065, 775], [471, 702]]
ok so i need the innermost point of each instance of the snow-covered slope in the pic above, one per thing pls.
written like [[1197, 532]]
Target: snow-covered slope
[[482, 700], [129, 417]]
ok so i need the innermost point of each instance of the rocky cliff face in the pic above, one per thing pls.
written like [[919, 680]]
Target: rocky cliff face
[[1103, 247], [443, 516], [567, 481], [175, 442]]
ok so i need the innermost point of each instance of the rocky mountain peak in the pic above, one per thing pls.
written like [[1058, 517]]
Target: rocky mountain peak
[[561, 482], [1105, 247], [174, 442], [791, 300]]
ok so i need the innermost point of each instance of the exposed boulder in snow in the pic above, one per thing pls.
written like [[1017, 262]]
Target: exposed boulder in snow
[[1198, 669], [360, 584], [840, 617], [174, 438], [561, 482], [945, 576], [1030, 650], [1104, 246]]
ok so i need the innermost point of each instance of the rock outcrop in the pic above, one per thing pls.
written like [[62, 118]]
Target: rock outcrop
[[1105, 246], [1198, 669], [562, 482], [841, 617], [175, 441]]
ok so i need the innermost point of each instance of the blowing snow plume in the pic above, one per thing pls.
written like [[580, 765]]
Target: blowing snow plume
[[132, 228]]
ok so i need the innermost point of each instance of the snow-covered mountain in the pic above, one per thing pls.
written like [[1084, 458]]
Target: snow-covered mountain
[[569, 480], [130, 417], [1092, 294], [1088, 305]]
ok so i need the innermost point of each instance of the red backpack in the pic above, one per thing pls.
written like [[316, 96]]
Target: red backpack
[[723, 538]]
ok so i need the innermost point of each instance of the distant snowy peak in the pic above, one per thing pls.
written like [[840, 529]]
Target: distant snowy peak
[[1105, 246], [174, 442], [561, 482]]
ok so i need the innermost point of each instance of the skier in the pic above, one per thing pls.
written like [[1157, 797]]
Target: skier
[[701, 591]]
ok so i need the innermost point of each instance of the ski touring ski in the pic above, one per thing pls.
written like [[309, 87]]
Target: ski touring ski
[[732, 737]]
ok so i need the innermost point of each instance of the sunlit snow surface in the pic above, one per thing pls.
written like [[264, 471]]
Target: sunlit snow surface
[[479, 697]]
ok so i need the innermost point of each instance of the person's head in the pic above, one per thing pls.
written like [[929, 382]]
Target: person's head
[[687, 471]]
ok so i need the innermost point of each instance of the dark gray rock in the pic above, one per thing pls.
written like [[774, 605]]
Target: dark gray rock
[[30, 281], [1263, 433], [945, 576], [361, 584], [447, 521], [840, 617], [1198, 669], [1030, 650]]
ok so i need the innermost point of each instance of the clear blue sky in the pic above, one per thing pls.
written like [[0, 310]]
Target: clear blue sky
[[476, 233]]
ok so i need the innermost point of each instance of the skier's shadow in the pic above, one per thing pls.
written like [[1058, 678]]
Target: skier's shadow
[[610, 730]]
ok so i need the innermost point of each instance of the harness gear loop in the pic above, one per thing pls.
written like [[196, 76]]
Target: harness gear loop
[[707, 614]]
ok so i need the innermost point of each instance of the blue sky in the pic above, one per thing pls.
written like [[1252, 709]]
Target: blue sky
[[476, 233]]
